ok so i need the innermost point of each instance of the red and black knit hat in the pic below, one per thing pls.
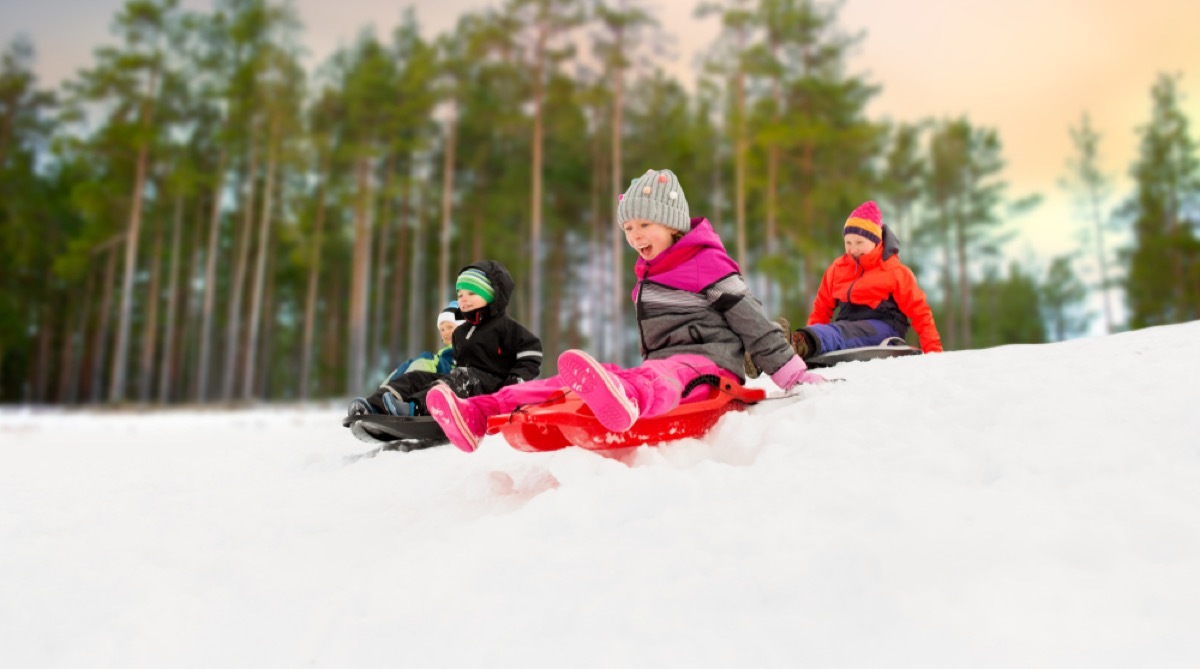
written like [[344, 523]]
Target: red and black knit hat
[[865, 220]]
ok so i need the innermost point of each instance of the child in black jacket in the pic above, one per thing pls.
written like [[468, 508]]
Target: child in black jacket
[[491, 350]]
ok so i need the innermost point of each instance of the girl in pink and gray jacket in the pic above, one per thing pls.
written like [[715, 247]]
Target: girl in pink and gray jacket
[[695, 314]]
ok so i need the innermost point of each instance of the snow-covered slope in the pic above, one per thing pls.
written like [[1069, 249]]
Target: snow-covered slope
[[1024, 506]]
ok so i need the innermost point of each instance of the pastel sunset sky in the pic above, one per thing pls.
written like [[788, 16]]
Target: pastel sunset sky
[[1028, 68]]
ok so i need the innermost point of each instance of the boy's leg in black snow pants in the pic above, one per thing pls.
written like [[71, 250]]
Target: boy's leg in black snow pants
[[464, 381]]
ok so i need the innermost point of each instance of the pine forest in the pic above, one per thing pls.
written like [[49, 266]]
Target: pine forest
[[196, 217]]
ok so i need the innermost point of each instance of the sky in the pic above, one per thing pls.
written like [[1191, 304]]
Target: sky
[[1026, 68], [1022, 506]]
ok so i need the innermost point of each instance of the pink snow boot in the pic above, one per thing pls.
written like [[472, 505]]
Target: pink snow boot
[[604, 393], [463, 424]]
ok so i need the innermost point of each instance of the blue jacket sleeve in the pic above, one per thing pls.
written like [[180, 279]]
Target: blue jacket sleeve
[[445, 360]]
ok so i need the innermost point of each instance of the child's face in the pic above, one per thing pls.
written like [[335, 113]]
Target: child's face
[[648, 238], [468, 301], [857, 245], [446, 329]]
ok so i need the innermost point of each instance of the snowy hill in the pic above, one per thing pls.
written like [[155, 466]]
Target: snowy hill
[[1024, 506]]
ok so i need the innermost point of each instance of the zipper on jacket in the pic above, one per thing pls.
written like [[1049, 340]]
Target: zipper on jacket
[[850, 288], [637, 309]]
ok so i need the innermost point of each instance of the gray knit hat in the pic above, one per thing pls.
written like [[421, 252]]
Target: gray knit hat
[[655, 196]]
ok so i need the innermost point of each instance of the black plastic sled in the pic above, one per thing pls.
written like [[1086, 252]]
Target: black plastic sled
[[893, 347], [396, 433]]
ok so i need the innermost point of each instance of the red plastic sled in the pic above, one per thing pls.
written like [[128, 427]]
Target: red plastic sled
[[567, 421]]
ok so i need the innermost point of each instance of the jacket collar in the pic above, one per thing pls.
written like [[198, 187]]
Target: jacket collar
[[869, 260], [701, 236]]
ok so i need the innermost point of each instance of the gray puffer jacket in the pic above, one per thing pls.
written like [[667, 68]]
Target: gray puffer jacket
[[692, 299]]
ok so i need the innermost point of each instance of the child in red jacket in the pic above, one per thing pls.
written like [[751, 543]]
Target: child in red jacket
[[866, 295]]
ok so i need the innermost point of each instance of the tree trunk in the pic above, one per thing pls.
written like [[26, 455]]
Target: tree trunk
[[260, 265], [403, 211], [740, 146], [811, 272], [360, 279], [314, 281], [266, 346], [477, 232], [210, 283], [533, 309], [769, 292], [448, 156], [336, 328], [40, 376], [73, 335], [596, 243], [1101, 256], [558, 278], [383, 275], [116, 390], [616, 344], [187, 337], [166, 373], [233, 328], [1177, 303], [75, 386], [964, 286], [150, 327], [87, 389], [87, 381], [948, 296], [101, 336], [810, 277], [416, 281]]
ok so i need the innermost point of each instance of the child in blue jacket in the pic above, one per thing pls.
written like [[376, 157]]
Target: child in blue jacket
[[441, 362]]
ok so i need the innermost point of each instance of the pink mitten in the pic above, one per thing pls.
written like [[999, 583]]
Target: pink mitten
[[794, 372], [811, 378]]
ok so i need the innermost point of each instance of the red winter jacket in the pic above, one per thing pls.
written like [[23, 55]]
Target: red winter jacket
[[876, 286]]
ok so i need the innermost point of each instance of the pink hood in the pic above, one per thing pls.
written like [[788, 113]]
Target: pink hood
[[693, 263]]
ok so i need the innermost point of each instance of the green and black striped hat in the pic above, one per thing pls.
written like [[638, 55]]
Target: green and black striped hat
[[476, 281]]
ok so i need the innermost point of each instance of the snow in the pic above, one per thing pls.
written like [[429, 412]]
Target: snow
[[1022, 506]]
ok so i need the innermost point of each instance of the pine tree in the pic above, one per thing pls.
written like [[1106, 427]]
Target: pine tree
[[282, 81], [543, 26], [323, 129], [129, 79], [964, 191], [414, 142], [24, 125], [1005, 306], [904, 171], [808, 111], [729, 60], [626, 24], [1062, 297], [1091, 188], [368, 76], [1163, 280]]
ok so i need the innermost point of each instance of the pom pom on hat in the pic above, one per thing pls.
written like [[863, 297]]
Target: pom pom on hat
[[451, 314], [655, 196], [866, 221]]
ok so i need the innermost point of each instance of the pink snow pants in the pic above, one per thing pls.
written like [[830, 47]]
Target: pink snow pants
[[656, 385]]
